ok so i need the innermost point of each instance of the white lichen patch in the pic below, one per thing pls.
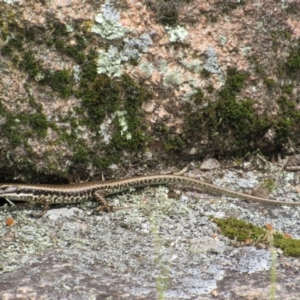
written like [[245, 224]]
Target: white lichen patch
[[105, 133], [76, 73], [246, 50], [177, 34], [211, 65], [194, 65], [162, 65], [108, 25], [10, 1], [123, 123], [172, 78], [147, 68], [109, 62], [135, 47]]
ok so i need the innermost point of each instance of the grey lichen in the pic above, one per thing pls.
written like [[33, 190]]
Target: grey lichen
[[193, 65], [172, 78], [108, 23], [223, 40], [76, 73], [177, 34], [246, 50], [134, 48], [105, 133], [163, 66], [10, 1], [109, 62], [147, 68], [211, 65], [123, 123]]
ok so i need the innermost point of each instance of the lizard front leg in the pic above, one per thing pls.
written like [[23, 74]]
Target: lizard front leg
[[45, 208]]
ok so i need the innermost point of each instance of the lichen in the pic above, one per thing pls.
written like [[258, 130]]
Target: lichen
[[76, 73], [211, 65], [134, 47], [172, 78], [108, 23], [121, 116], [147, 68], [193, 65], [10, 1], [177, 34], [109, 62]]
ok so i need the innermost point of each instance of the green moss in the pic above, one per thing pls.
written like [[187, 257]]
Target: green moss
[[73, 51], [210, 89], [38, 123], [31, 99], [229, 120], [58, 29], [60, 81], [134, 62], [198, 97], [18, 127], [12, 131], [240, 230], [81, 154], [292, 64], [288, 120], [205, 73], [31, 34], [103, 96], [170, 140], [103, 163], [133, 97], [269, 184], [288, 89], [29, 64], [174, 144], [88, 73], [234, 82], [269, 82], [292, 8], [117, 99], [167, 14], [227, 6], [13, 43], [213, 18], [289, 246]]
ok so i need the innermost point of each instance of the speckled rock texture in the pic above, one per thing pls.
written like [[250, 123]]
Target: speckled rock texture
[[161, 247]]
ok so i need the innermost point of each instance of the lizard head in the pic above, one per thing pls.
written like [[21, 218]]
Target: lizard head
[[9, 191]]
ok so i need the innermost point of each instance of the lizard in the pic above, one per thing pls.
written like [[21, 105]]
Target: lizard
[[47, 194]]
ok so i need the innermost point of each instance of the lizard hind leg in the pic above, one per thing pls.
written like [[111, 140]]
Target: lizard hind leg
[[104, 206]]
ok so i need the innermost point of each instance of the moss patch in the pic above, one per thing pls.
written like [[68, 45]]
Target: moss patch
[[19, 127], [290, 247], [247, 233], [240, 230], [230, 125]]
